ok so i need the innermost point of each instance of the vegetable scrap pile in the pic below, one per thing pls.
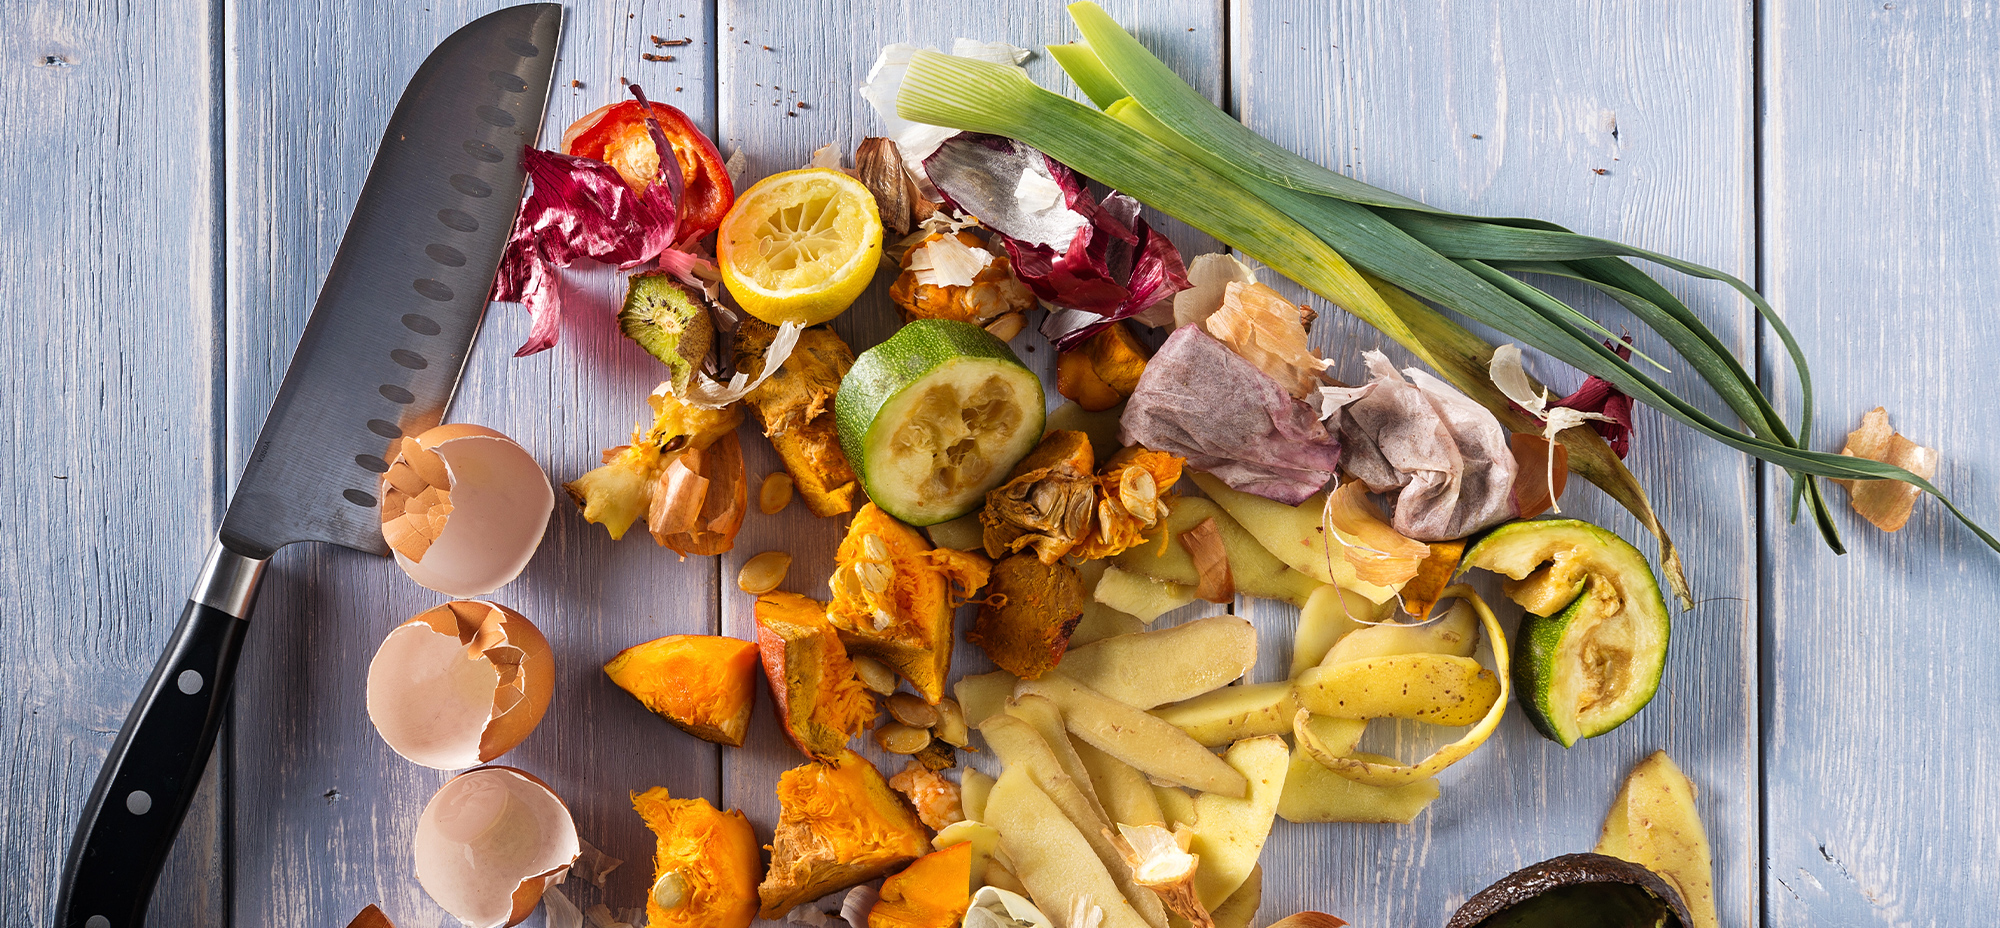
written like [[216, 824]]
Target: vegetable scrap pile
[[1113, 770]]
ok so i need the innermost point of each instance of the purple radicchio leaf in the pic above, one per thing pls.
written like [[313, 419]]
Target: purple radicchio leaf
[[1599, 396], [1205, 403], [1096, 261], [580, 208]]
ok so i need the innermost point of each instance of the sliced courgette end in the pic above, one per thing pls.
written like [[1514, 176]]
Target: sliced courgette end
[[1537, 669], [936, 416], [670, 320], [1590, 659]]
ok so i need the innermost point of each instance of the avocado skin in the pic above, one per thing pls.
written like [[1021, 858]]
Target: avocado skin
[[1576, 891]]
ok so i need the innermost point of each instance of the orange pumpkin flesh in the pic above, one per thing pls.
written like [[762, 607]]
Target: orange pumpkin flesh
[[839, 825], [704, 684], [715, 855], [934, 892], [908, 623], [820, 701]]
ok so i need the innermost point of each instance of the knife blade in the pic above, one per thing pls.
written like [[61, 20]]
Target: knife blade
[[379, 358]]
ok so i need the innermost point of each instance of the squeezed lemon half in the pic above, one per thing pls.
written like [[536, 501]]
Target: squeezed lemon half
[[800, 246]]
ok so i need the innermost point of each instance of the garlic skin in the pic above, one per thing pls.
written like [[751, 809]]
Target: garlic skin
[[464, 508], [490, 842]]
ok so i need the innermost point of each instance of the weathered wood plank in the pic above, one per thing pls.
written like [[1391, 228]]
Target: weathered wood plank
[[324, 810], [108, 360], [773, 58], [1879, 148], [1510, 109]]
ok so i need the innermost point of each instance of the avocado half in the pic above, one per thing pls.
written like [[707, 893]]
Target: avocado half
[[1576, 891]]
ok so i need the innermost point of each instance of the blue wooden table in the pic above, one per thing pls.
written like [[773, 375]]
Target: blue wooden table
[[175, 176]]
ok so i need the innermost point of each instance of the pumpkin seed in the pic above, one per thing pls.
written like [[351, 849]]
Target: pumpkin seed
[[911, 710], [875, 675], [950, 727], [898, 738], [775, 493], [763, 573]]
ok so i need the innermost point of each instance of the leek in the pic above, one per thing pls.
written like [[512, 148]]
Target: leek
[[1362, 248]]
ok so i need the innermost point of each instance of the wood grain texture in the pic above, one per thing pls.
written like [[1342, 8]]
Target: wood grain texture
[[323, 818], [108, 361], [1879, 146], [1510, 109], [128, 379]]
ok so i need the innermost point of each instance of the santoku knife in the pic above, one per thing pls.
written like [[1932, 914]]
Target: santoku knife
[[379, 359]]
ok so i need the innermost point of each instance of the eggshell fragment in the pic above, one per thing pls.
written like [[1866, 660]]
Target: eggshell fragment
[[491, 842], [460, 684], [464, 508]]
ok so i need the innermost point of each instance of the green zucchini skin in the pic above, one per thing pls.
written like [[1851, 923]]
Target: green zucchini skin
[[903, 362]]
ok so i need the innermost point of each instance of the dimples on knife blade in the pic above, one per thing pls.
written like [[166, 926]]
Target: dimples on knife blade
[[405, 295]]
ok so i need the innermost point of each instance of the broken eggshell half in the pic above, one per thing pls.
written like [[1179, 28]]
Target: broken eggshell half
[[491, 842], [464, 508], [460, 685]]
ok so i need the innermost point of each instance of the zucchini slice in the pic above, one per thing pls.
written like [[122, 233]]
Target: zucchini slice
[[1591, 650], [936, 416]]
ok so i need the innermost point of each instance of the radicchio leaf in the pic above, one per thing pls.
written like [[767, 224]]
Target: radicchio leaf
[[1201, 401], [1599, 396], [1096, 260], [581, 208]]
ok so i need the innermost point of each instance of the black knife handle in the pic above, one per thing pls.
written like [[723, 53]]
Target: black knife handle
[[155, 766]]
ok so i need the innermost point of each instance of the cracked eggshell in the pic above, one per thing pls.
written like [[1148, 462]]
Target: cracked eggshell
[[490, 842], [464, 508], [460, 685]]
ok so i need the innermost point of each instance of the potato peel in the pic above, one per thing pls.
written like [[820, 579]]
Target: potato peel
[[1380, 774], [1441, 689]]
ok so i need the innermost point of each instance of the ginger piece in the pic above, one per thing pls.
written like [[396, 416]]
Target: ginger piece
[[934, 892], [1886, 503], [621, 491], [1132, 497], [704, 684], [958, 278], [704, 867], [1046, 503], [934, 797], [1104, 370], [1027, 618], [820, 700], [894, 595], [839, 825], [795, 407]]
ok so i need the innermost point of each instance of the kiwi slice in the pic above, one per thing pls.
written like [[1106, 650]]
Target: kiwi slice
[[670, 320]]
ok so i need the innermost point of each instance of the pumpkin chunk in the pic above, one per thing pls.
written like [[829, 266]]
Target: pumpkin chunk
[[820, 700], [704, 684], [894, 595], [934, 892], [839, 825], [1025, 622], [705, 867]]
